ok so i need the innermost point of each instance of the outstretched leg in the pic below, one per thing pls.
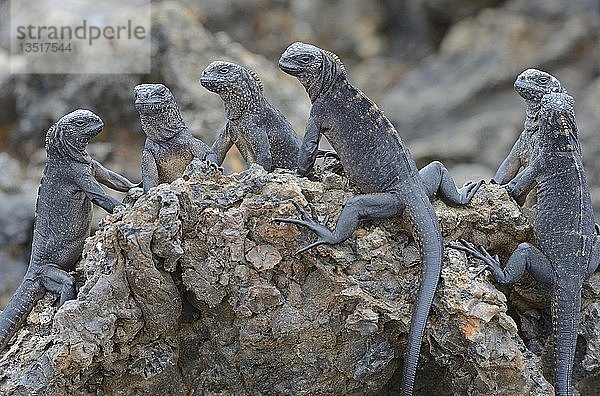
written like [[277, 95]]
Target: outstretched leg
[[437, 181], [359, 207], [525, 257]]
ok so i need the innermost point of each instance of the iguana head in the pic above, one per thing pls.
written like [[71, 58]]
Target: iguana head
[[314, 67], [153, 98], [239, 87], [532, 84], [158, 110], [71, 134], [557, 121]]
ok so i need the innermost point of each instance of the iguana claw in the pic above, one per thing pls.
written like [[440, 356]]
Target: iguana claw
[[491, 262], [310, 221]]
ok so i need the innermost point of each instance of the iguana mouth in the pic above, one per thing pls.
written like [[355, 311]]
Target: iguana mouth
[[289, 68], [151, 107], [212, 84], [89, 134], [527, 90]]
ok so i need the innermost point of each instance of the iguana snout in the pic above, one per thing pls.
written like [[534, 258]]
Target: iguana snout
[[219, 76], [71, 134], [532, 84], [82, 122], [301, 58], [152, 98]]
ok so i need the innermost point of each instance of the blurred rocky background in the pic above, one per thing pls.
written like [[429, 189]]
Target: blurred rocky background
[[441, 70]]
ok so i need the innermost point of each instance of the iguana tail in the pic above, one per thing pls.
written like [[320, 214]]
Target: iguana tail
[[566, 307], [426, 231], [19, 306]]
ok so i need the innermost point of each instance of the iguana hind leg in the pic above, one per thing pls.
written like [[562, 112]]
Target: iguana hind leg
[[437, 181], [359, 207], [525, 257], [58, 281]]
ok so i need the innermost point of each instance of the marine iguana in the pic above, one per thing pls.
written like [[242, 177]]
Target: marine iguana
[[377, 161], [568, 250], [170, 146], [259, 130], [69, 186], [531, 85]]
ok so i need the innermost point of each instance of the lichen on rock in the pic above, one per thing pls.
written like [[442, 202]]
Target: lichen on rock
[[194, 289]]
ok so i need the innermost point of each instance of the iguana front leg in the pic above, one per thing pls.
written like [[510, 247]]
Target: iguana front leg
[[222, 144], [523, 183], [509, 168], [84, 179], [309, 148], [259, 141], [437, 181], [358, 208], [149, 171], [111, 179]]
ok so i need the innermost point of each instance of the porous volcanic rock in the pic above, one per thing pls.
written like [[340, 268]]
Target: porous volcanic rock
[[194, 289]]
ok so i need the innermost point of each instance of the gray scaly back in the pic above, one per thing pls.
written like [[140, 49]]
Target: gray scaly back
[[378, 162]]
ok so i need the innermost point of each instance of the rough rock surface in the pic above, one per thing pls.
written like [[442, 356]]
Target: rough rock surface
[[195, 290]]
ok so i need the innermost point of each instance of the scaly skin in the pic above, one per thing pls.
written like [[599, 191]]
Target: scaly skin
[[170, 146], [259, 130], [377, 161], [531, 85], [69, 186], [567, 251]]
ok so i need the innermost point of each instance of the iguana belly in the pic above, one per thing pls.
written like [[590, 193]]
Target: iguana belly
[[62, 224], [171, 165], [245, 148]]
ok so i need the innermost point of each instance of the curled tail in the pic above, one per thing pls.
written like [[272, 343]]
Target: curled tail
[[19, 306], [566, 307], [426, 231]]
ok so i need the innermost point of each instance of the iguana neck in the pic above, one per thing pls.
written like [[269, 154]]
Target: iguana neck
[[238, 104], [59, 148], [163, 125], [532, 110], [331, 72]]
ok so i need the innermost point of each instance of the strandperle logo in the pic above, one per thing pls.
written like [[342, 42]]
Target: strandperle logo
[[82, 32], [72, 36]]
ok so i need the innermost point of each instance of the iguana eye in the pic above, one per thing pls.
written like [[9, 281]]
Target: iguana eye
[[305, 58], [224, 70], [543, 80], [80, 123]]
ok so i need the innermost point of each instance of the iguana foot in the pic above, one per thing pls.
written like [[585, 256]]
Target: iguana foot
[[491, 262], [311, 222], [133, 195], [518, 196], [468, 190]]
